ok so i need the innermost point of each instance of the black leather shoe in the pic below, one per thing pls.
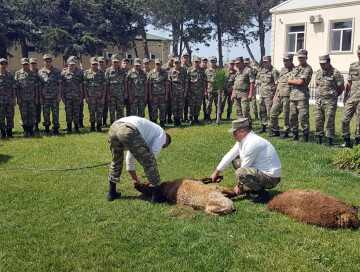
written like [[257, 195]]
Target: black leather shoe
[[262, 198], [319, 140], [285, 135], [113, 194], [274, 133], [295, 136], [305, 138], [329, 142], [263, 129]]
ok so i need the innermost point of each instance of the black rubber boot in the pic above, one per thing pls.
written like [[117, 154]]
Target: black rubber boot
[[31, 130], [9, 133], [162, 124], [47, 131], [81, 123], [113, 194], [319, 140], [228, 116], [176, 122], [274, 133], [36, 127], [262, 198], [329, 142], [263, 129], [196, 120], [347, 143], [26, 133], [56, 131], [104, 121], [3, 134], [357, 141], [92, 129], [305, 138], [98, 127], [170, 121], [295, 136], [285, 135], [156, 195], [186, 119], [76, 127], [69, 128]]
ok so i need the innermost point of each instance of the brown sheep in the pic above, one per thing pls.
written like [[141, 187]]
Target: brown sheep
[[315, 208], [194, 193]]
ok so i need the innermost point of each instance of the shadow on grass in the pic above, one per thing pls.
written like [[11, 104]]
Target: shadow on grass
[[4, 158]]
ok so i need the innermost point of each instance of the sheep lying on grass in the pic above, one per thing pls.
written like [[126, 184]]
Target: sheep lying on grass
[[315, 208], [209, 197]]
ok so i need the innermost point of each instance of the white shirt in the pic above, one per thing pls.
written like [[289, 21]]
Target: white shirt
[[255, 152], [153, 134]]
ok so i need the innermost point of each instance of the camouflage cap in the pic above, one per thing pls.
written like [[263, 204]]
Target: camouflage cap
[[115, 57], [246, 60], [204, 59], [33, 60], [101, 59], [94, 60], [71, 60], [145, 60], [137, 61], [157, 61], [47, 56], [324, 58], [177, 59], [239, 59], [266, 58], [24, 61], [358, 50], [3, 60], [239, 123], [126, 59], [288, 56], [302, 53], [213, 58], [171, 56], [185, 54], [232, 61], [197, 59]]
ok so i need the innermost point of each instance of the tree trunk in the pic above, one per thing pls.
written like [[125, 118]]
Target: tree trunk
[[24, 49], [261, 34], [175, 34], [219, 34], [144, 39], [250, 52], [188, 49], [135, 49]]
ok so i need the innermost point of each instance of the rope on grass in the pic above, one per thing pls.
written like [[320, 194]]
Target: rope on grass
[[53, 169]]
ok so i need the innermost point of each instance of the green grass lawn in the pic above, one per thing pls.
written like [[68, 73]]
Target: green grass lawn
[[61, 221]]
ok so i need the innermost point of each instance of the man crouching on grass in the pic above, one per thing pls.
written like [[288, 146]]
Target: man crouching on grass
[[143, 140], [260, 165]]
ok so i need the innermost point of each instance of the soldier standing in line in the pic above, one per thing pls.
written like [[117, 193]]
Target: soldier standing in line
[[204, 65], [146, 69], [268, 79], [34, 68], [102, 67], [167, 67], [242, 92], [352, 103], [158, 93], [95, 93], [51, 92], [27, 94], [7, 100], [281, 102], [253, 101], [226, 94], [125, 66], [186, 64], [197, 89], [73, 79], [178, 90], [212, 95], [116, 78], [299, 97], [330, 84], [137, 92]]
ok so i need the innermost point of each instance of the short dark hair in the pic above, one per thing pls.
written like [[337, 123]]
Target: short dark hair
[[168, 137]]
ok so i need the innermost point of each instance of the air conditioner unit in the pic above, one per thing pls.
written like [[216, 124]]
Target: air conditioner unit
[[129, 56], [315, 19], [153, 56], [109, 54]]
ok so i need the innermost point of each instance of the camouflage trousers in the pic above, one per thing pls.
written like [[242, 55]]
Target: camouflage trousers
[[226, 97], [116, 107], [352, 107], [128, 107], [253, 178], [51, 105], [186, 106], [254, 106], [38, 113], [81, 110], [195, 102], [281, 104], [168, 109], [265, 108], [106, 109], [138, 106], [178, 101], [158, 106], [325, 111], [28, 113], [125, 136], [299, 109], [212, 97], [72, 110], [96, 110], [242, 105], [7, 112]]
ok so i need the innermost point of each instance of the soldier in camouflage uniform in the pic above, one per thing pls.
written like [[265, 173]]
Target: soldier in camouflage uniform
[[116, 79], [243, 88], [7, 100], [204, 65], [299, 97], [158, 92], [146, 69], [137, 92], [167, 67], [51, 89], [178, 89], [102, 67], [352, 103], [27, 96], [268, 80], [72, 93], [226, 94], [329, 85], [212, 95], [197, 89], [186, 64], [34, 68], [125, 66], [95, 93], [281, 101], [253, 101]]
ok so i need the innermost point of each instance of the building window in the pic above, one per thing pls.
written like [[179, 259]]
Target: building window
[[341, 35], [295, 39]]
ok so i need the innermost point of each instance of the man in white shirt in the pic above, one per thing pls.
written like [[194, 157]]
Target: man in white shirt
[[144, 140], [260, 165]]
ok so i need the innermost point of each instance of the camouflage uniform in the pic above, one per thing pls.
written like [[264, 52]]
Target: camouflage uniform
[[7, 111], [327, 83], [26, 84], [50, 80], [137, 82], [226, 96], [116, 81], [254, 69], [95, 82], [186, 101], [159, 82], [241, 91], [38, 106], [178, 81], [196, 79], [168, 103], [106, 104], [212, 95]]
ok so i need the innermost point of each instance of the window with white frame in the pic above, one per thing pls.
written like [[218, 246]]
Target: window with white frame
[[295, 38], [341, 35]]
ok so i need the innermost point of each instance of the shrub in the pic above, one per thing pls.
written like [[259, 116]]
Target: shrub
[[349, 159]]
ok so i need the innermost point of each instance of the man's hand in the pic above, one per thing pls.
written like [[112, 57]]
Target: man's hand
[[87, 99], [232, 98], [215, 175], [136, 182], [103, 100], [58, 99], [250, 97]]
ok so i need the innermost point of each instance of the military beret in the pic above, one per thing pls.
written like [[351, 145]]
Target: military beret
[[324, 58], [288, 56], [3, 60], [47, 56], [157, 61], [204, 59], [213, 58], [185, 54], [197, 59], [33, 60], [239, 123], [232, 61], [137, 61], [115, 57], [94, 60], [239, 59], [176, 59], [171, 56], [266, 58], [101, 59], [302, 53], [71, 60], [246, 60], [145, 60], [24, 61], [358, 51]]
